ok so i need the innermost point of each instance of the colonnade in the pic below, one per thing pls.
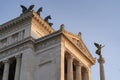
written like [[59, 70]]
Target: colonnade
[[75, 69], [6, 70]]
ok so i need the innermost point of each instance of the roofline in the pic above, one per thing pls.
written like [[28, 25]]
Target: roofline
[[25, 16]]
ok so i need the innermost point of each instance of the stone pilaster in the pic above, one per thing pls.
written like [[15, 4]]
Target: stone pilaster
[[6, 70], [18, 67]]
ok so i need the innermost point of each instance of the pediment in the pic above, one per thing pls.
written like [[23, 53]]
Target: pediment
[[77, 41]]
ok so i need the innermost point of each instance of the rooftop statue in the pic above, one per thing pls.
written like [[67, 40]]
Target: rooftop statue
[[47, 18], [99, 47], [39, 10], [25, 10], [50, 24]]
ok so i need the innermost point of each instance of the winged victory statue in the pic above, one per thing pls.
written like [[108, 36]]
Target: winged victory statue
[[99, 48]]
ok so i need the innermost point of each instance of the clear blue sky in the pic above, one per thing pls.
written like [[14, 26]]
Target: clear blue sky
[[98, 20]]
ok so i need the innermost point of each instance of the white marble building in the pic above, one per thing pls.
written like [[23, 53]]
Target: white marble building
[[32, 50]]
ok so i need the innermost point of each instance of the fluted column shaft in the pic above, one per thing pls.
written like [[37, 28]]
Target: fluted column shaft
[[78, 72], [6, 70], [101, 62], [69, 67], [86, 77], [18, 67]]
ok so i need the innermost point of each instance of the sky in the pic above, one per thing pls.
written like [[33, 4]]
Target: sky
[[98, 20]]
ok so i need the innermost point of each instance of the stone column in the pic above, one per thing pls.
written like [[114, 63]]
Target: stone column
[[6, 70], [69, 67], [18, 67], [86, 76], [101, 62], [78, 72]]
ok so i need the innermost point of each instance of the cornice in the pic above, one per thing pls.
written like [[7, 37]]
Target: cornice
[[16, 20], [56, 33], [29, 15], [44, 24]]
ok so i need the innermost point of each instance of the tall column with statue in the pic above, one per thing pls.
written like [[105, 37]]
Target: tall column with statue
[[101, 60]]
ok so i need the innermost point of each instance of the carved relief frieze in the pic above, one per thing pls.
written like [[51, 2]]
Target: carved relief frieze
[[46, 43], [13, 50], [77, 43], [12, 29], [82, 47], [12, 38]]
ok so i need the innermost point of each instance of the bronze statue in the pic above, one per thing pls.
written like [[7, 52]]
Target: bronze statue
[[31, 8], [25, 10], [99, 47], [50, 24], [47, 18], [39, 10]]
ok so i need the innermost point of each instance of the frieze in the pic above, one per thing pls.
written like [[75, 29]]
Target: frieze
[[13, 50], [82, 47], [13, 38], [12, 29]]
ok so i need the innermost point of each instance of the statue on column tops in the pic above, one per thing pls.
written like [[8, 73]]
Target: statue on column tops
[[99, 47]]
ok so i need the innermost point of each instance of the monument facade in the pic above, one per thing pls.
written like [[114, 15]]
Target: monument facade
[[30, 49]]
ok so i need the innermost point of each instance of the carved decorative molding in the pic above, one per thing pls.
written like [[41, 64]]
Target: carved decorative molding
[[11, 30], [15, 48], [12, 38], [77, 41], [25, 19], [44, 24], [13, 51], [16, 20]]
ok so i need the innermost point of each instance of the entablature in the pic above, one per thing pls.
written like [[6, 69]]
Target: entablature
[[22, 21], [18, 46], [47, 41]]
